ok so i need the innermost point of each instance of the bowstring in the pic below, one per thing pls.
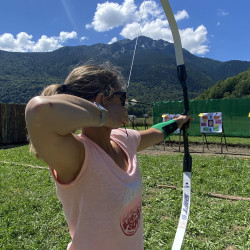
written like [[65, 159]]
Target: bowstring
[[132, 63], [133, 58], [152, 105], [138, 33]]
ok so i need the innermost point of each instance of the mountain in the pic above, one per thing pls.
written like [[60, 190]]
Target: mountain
[[233, 87], [154, 77]]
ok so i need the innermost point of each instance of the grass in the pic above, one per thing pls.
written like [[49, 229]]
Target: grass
[[215, 139], [30, 213], [210, 138], [213, 223], [31, 217]]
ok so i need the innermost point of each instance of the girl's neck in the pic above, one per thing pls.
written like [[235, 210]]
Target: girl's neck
[[101, 136]]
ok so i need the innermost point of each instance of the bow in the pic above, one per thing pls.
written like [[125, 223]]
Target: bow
[[187, 159]]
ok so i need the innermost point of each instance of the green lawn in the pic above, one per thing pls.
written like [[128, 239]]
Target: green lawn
[[215, 139], [31, 216], [211, 138]]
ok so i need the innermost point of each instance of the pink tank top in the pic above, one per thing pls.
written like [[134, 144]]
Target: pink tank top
[[102, 205]]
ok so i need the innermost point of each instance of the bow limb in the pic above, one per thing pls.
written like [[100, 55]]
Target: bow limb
[[187, 159], [175, 32]]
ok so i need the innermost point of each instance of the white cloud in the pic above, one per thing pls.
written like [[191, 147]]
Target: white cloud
[[113, 40], [24, 43], [155, 29], [89, 26], [195, 40], [221, 12], [9, 43], [149, 11], [109, 15], [64, 36], [181, 15], [154, 24], [46, 44], [24, 40], [84, 38]]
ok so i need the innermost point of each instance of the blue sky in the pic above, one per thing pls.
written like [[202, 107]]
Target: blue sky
[[217, 29]]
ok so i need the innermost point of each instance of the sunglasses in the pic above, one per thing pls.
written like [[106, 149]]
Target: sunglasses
[[123, 97]]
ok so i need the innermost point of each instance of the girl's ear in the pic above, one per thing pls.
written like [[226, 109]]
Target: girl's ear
[[100, 98]]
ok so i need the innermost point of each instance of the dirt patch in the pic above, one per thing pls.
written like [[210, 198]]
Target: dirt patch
[[211, 149]]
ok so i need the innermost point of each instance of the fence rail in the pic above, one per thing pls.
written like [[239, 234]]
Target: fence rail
[[12, 124]]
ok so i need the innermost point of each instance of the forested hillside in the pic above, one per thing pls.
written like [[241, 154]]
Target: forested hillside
[[154, 77], [233, 87]]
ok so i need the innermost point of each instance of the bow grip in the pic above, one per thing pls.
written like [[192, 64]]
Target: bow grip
[[182, 76]]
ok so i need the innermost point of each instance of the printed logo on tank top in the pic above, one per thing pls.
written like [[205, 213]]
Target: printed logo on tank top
[[131, 213]]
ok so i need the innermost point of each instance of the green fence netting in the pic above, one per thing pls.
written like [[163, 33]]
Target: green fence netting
[[235, 114]]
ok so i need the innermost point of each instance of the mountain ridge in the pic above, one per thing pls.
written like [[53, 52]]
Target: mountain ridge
[[232, 87], [154, 77]]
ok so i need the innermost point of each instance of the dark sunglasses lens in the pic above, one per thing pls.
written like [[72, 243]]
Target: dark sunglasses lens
[[123, 98]]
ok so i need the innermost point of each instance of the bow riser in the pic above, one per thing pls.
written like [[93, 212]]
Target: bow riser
[[187, 159]]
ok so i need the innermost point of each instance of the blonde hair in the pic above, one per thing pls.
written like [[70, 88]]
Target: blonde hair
[[50, 90], [86, 81]]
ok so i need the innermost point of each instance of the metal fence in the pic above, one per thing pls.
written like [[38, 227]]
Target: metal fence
[[235, 114]]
